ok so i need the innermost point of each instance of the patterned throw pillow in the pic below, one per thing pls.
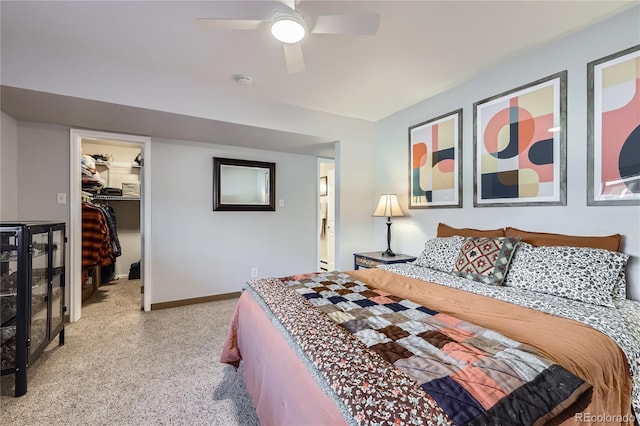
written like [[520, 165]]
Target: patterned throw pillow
[[587, 275], [485, 259], [440, 253]]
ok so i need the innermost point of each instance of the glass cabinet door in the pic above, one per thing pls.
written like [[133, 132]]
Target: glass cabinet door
[[8, 298], [32, 284], [57, 242], [57, 283], [39, 289]]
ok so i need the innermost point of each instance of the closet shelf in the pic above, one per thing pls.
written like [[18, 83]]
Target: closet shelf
[[86, 196], [117, 164], [116, 198]]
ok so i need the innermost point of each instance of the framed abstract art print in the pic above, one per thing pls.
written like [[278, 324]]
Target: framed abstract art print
[[519, 141], [613, 132], [435, 169]]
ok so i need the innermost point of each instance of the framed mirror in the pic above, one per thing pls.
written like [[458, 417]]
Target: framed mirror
[[243, 185]]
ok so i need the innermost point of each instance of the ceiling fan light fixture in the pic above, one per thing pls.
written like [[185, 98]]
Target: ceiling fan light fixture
[[288, 27]]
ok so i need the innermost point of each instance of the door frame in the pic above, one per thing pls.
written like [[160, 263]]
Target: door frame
[[332, 194], [75, 218]]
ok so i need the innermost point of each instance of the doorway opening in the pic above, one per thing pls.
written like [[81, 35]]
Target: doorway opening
[[125, 192], [326, 214]]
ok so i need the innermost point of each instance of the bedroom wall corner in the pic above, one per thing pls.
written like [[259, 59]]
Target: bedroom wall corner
[[355, 199]]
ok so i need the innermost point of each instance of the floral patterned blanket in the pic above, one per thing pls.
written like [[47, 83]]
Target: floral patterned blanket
[[383, 359]]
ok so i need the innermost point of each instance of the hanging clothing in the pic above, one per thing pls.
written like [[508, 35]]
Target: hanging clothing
[[110, 216], [96, 240], [108, 272]]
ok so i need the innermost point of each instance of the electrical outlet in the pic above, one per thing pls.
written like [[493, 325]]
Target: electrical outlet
[[62, 198], [254, 272]]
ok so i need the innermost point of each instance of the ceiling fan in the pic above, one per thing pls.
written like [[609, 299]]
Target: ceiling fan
[[289, 27]]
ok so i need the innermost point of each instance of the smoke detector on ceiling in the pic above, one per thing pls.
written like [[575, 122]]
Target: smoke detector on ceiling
[[243, 80]]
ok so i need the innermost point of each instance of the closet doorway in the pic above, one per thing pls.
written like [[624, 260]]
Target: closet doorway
[[127, 199], [326, 215]]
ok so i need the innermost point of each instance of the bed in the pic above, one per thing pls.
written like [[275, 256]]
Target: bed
[[437, 341]]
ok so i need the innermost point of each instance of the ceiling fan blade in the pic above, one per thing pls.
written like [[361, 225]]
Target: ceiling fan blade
[[229, 24], [357, 23], [293, 57], [291, 4]]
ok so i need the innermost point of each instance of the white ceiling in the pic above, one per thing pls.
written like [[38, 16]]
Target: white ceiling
[[421, 49]]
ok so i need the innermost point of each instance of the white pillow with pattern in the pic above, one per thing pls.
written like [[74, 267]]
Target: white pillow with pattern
[[584, 274], [440, 253]]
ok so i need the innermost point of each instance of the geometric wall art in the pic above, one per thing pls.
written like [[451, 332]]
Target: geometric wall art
[[435, 156], [519, 142], [613, 132]]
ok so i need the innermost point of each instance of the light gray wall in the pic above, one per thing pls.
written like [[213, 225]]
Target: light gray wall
[[571, 53], [197, 251], [43, 171], [8, 168]]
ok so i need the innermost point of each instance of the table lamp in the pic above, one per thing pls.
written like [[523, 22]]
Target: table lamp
[[388, 207]]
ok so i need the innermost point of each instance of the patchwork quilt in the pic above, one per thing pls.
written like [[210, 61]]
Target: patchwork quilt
[[387, 360], [622, 324]]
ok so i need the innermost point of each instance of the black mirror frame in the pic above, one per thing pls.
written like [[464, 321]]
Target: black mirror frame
[[217, 202]]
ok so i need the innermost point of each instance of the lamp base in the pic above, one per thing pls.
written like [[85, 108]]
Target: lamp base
[[388, 253]]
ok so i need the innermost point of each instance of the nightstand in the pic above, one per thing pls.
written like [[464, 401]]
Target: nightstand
[[374, 258]]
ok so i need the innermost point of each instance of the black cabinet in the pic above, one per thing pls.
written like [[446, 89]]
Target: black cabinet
[[32, 303]]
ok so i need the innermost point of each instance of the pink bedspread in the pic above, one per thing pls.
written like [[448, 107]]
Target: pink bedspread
[[273, 373]]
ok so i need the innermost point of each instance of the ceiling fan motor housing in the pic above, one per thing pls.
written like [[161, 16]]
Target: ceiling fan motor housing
[[288, 27]]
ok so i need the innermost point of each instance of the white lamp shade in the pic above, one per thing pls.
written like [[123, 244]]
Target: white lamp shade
[[287, 27], [388, 206]]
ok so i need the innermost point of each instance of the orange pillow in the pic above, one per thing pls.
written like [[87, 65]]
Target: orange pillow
[[448, 231], [607, 242]]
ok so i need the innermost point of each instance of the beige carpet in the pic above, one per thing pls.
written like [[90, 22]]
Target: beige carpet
[[121, 366]]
